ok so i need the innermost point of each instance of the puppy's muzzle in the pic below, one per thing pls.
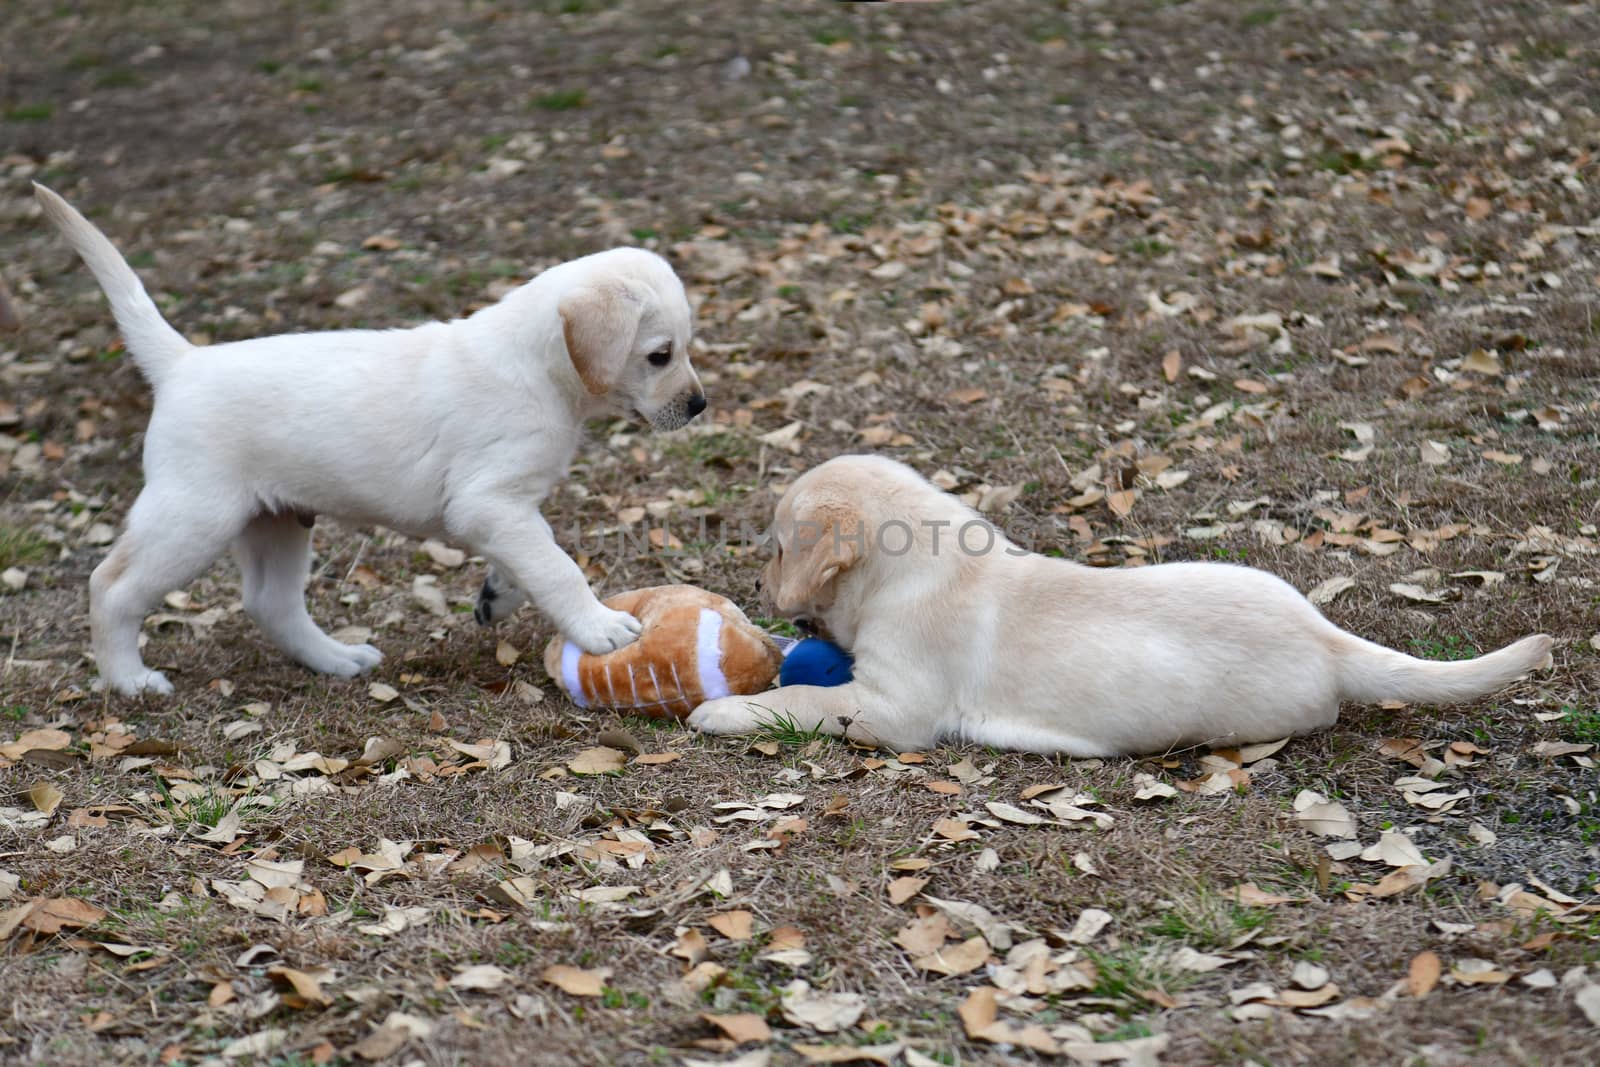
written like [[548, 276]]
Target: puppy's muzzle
[[680, 412]]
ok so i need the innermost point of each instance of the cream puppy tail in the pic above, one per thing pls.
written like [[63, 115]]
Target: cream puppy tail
[[155, 345], [1370, 673]]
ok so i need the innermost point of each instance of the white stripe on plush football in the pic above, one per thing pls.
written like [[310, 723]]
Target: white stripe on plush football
[[569, 674], [708, 655]]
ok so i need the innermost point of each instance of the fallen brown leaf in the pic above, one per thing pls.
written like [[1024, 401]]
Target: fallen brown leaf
[[741, 1027], [1423, 974], [576, 981]]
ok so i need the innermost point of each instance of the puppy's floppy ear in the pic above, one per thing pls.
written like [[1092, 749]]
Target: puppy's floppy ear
[[599, 323], [821, 549]]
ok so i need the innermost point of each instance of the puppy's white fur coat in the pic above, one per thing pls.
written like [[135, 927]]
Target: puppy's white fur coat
[[1021, 651], [455, 430]]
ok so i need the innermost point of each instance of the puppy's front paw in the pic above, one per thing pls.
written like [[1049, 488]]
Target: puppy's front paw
[[366, 655], [147, 681], [351, 661], [605, 631], [726, 715]]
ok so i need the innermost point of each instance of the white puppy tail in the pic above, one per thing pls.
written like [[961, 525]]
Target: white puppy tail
[[155, 345], [1370, 673]]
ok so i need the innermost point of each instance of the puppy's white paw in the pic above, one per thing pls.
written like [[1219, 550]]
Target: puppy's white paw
[[365, 656], [146, 681], [357, 661], [605, 631], [726, 715], [339, 659]]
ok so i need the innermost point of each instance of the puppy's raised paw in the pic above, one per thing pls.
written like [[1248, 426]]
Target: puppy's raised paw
[[483, 610], [497, 599], [605, 630]]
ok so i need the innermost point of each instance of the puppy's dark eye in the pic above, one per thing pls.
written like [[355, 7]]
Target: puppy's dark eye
[[661, 358]]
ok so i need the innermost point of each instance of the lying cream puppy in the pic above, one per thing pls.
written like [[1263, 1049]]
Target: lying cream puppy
[[453, 429], [958, 633]]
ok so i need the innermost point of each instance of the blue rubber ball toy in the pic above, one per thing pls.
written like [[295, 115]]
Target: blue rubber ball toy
[[815, 662]]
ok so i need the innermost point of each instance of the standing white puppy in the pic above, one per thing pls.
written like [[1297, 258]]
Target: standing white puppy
[[958, 633], [452, 429]]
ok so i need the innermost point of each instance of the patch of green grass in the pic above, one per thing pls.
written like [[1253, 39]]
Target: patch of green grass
[[785, 730], [1442, 646], [20, 545], [118, 78], [1206, 920], [1128, 1031], [614, 998], [1261, 16], [1540, 50], [827, 37], [512, 954], [1126, 974], [703, 450], [849, 223], [752, 993], [210, 808], [30, 112], [292, 1059], [561, 100], [781, 627], [1343, 162], [1581, 726], [1149, 246], [205, 811]]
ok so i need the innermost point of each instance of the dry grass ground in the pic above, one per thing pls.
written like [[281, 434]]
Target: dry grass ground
[[1333, 262]]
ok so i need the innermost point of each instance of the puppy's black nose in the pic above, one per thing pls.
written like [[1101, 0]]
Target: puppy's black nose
[[697, 404]]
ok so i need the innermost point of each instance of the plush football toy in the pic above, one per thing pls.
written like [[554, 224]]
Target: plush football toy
[[695, 646]]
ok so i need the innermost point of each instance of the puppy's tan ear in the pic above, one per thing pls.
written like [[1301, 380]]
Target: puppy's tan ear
[[599, 324], [820, 551]]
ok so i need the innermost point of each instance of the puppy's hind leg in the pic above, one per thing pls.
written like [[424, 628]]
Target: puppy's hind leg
[[497, 598], [171, 537], [274, 557]]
